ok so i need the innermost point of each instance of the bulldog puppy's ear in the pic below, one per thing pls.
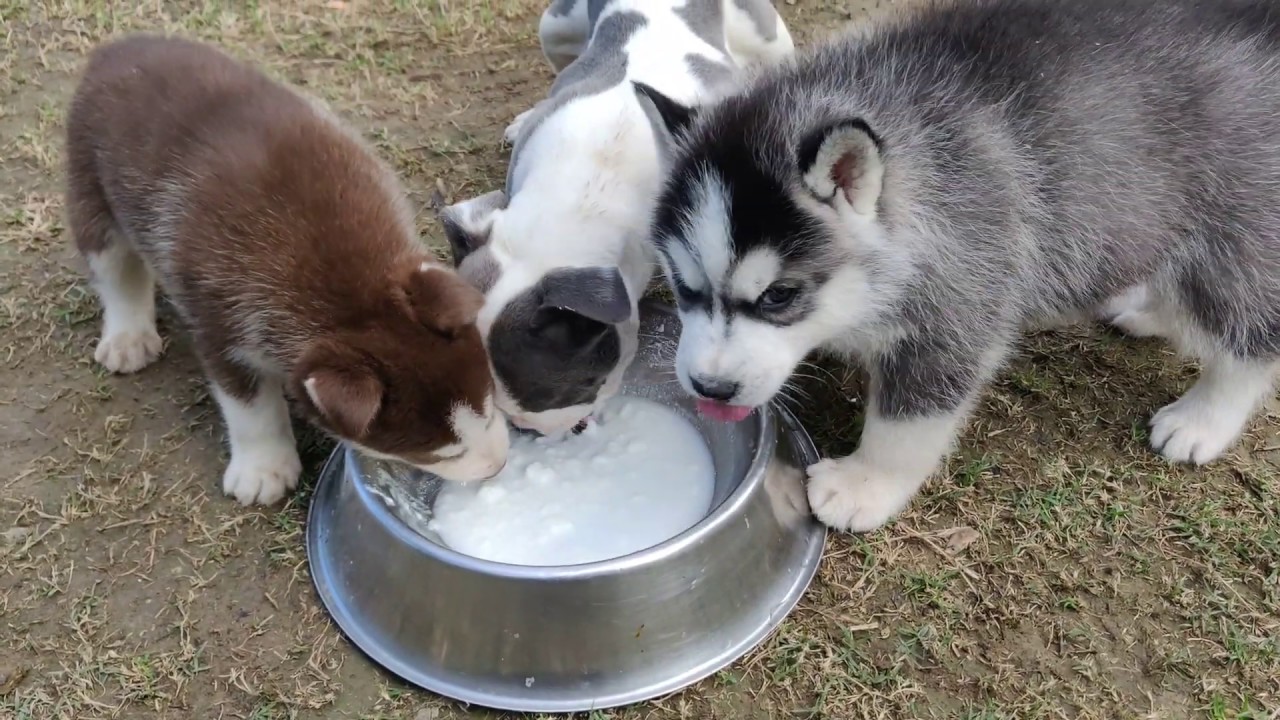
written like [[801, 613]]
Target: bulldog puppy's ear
[[468, 224], [596, 293]]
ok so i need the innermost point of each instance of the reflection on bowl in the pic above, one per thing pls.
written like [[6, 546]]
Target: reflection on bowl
[[579, 637]]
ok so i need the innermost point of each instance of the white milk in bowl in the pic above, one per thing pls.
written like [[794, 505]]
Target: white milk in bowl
[[639, 474]]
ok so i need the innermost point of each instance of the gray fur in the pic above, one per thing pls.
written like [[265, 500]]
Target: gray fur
[[460, 221], [561, 8], [1040, 158], [706, 20], [710, 73], [763, 16], [596, 293], [557, 341]]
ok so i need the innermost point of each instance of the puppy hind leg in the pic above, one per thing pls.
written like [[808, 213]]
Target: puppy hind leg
[[563, 31], [1210, 417], [755, 34], [122, 280], [1134, 313]]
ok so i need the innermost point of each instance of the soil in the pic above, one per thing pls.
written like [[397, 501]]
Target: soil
[[1056, 569]]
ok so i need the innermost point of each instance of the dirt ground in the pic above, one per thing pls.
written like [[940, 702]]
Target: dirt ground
[[1087, 579]]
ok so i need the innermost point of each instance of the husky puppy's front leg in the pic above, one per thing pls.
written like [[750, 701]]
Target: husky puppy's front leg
[[862, 491], [920, 399]]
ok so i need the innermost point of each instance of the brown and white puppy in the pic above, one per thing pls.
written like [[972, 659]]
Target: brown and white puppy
[[289, 251]]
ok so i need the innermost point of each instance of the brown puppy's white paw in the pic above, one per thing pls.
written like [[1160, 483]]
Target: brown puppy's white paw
[[129, 351], [262, 474]]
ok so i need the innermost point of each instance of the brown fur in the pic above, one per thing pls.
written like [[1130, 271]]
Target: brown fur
[[286, 246]]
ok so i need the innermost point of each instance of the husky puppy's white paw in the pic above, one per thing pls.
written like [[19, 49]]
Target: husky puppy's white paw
[[264, 463], [1138, 324], [1190, 431], [1202, 424], [848, 494]]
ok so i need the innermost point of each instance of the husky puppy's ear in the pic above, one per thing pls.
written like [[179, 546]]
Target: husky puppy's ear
[[467, 224], [842, 163], [675, 117]]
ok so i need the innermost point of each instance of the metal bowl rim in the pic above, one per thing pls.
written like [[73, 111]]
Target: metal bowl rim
[[552, 573], [801, 443]]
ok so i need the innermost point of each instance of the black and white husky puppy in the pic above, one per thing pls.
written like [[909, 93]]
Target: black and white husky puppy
[[916, 195]]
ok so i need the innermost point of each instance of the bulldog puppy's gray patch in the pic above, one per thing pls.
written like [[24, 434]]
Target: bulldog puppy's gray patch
[[555, 343]]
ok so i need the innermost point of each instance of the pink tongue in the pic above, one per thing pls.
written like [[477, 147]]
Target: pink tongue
[[722, 412]]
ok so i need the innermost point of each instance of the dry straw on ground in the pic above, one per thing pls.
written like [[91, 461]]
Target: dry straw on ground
[[1058, 570]]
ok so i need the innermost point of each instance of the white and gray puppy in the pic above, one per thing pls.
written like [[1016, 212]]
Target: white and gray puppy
[[917, 195], [562, 253]]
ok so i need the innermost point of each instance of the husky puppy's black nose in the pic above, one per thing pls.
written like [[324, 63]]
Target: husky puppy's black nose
[[714, 388]]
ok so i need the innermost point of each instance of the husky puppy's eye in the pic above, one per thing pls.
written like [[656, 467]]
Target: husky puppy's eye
[[778, 296]]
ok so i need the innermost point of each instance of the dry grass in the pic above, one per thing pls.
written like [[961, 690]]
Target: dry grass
[[1058, 570]]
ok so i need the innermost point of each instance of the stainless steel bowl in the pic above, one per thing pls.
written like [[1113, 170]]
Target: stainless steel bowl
[[581, 637]]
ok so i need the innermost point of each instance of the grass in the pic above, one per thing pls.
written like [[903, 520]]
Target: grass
[[1056, 569]]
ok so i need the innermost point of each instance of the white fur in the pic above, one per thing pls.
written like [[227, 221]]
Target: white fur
[[552, 422], [754, 273], [480, 453], [656, 54], [1209, 418], [860, 193], [488, 439], [1133, 312], [264, 463], [894, 458], [709, 232], [126, 290], [745, 44], [684, 264], [512, 133]]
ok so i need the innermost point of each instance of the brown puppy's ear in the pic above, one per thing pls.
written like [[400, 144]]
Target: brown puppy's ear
[[441, 300], [340, 386]]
